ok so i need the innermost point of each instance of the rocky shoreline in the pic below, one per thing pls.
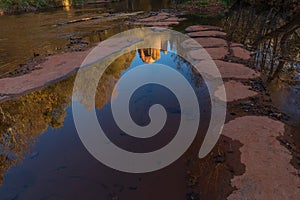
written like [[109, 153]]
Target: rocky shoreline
[[254, 125]]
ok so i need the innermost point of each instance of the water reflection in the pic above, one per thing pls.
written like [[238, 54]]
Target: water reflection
[[67, 5], [30, 36], [23, 119], [39, 140], [273, 33]]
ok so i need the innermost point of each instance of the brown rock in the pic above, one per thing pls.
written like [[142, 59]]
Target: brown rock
[[211, 42], [54, 68], [235, 70], [199, 54], [207, 34], [163, 23], [59, 66], [190, 44], [202, 28], [154, 18], [269, 174], [217, 53], [241, 53], [235, 91], [174, 19], [233, 44]]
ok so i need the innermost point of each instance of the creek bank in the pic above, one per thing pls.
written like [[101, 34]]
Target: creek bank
[[249, 105]]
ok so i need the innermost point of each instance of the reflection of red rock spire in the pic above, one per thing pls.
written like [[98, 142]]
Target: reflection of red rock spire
[[149, 55], [164, 46]]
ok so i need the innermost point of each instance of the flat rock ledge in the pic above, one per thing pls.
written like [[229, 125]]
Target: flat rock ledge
[[235, 70], [161, 19], [235, 91], [207, 34], [54, 68], [196, 28], [212, 39], [58, 67], [269, 174]]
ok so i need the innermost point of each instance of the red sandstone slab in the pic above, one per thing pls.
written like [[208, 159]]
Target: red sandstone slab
[[241, 53], [235, 91], [54, 68], [59, 66], [163, 23], [190, 44], [154, 18], [174, 19], [211, 42], [217, 53], [235, 70], [207, 34], [202, 28], [233, 44], [269, 174]]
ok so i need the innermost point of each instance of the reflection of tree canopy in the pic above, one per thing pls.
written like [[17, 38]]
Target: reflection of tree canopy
[[88, 80], [22, 119], [110, 77], [270, 27]]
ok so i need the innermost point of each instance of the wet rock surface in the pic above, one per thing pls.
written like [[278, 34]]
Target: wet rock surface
[[269, 174], [207, 34], [211, 42], [55, 68], [196, 28], [235, 91], [241, 53], [235, 70], [218, 53], [160, 19]]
